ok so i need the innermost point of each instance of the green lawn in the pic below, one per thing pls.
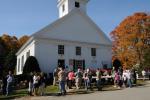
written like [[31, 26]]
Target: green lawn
[[141, 82], [24, 92], [52, 89], [16, 94], [55, 89]]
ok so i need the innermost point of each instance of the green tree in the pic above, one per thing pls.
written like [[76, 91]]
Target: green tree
[[10, 61]]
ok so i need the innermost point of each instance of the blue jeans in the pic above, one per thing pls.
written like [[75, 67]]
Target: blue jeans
[[87, 83], [129, 83], [98, 84], [9, 88], [62, 86]]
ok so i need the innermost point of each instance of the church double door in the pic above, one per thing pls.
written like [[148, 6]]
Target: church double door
[[78, 64]]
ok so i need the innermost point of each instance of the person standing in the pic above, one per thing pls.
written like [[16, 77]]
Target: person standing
[[71, 79], [90, 78], [144, 74], [42, 82], [30, 89], [62, 80], [9, 83], [125, 78], [149, 74], [78, 78], [117, 80], [85, 76], [129, 79], [55, 77], [134, 77], [35, 83], [113, 72], [98, 79]]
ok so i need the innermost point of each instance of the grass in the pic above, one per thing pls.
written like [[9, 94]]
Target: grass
[[15, 94], [54, 89], [141, 82], [24, 92]]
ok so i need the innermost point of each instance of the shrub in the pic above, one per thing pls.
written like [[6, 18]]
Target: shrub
[[31, 65]]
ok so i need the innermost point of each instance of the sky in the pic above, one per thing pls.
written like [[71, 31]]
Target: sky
[[25, 17]]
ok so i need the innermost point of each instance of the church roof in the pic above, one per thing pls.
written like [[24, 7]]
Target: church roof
[[75, 26], [81, 25]]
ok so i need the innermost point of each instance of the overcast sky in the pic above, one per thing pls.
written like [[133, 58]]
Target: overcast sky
[[24, 17]]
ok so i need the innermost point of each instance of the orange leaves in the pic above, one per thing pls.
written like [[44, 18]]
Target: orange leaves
[[12, 42], [128, 38], [23, 39]]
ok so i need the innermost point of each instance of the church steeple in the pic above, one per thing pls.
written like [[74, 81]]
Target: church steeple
[[65, 6]]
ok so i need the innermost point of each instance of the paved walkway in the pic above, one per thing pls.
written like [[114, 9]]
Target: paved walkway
[[136, 93]]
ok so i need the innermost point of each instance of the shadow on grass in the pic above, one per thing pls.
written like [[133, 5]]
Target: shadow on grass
[[14, 95], [140, 86], [74, 92], [115, 89], [79, 92]]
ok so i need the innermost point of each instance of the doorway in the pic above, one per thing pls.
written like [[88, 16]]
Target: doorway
[[61, 63], [78, 64]]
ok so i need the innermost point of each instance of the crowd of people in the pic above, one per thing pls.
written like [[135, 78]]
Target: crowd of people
[[84, 78], [71, 78], [80, 79], [37, 83]]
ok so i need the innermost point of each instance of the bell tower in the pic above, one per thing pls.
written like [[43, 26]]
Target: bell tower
[[65, 6]]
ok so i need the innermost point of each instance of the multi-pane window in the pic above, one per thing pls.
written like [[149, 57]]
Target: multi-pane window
[[18, 64], [77, 4], [78, 50], [60, 49], [63, 7], [93, 51], [22, 62], [28, 54]]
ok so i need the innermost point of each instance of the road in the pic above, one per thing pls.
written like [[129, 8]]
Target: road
[[135, 93]]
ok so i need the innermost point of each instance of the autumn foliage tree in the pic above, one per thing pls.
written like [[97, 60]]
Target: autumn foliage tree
[[10, 42], [147, 58], [23, 40], [130, 39], [9, 45]]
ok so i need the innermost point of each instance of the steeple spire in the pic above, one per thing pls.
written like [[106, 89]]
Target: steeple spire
[[65, 6]]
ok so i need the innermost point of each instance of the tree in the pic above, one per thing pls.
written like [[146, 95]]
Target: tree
[[31, 65], [117, 64], [2, 53], [9, 45], [10, 42], [147, 58], [10, 60], [23, 40], [129, 39]]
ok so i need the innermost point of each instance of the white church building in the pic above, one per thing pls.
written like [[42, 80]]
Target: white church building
[[73, 40]]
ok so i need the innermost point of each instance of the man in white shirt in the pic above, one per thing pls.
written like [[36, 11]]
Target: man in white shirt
[[36, 79], [144, 74], [9, 83]]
